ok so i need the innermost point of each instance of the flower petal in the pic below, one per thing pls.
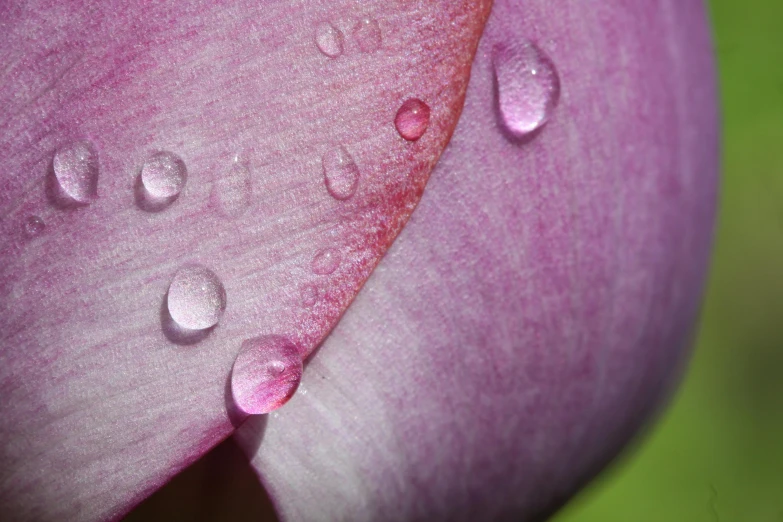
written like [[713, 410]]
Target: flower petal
[[535, 311], [170, 189]]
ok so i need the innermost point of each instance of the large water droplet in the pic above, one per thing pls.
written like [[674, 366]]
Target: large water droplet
[[340, 173], [196, 298], [528, 87], [233, 192], [163, 175], [33, 226], [326, 261], [76, 172], [368, 35], [329, 40], [412, 119], [265, 375]]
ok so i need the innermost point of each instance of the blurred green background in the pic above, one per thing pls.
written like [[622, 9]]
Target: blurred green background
[[717, 453]]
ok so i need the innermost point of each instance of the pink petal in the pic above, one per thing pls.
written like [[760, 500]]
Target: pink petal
[[537, 308], [142, 139]]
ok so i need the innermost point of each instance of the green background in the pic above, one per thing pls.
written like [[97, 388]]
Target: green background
[[716, 455]]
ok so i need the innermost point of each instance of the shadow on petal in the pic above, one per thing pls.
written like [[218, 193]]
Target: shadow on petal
[[220, 486]]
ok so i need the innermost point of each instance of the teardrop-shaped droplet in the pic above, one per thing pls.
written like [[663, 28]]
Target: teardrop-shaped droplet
[[163, 175], [76, 171], [326, 261], [196, 298], [340, 173], [368, 35], [329, 40], [265, 375], [412, 119], [233, 191], [528, 87], [309, 295], [33, 226]]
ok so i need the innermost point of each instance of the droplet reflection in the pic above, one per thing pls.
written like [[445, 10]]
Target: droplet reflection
[[413, 119], [528, 88], [75, 169], [341, 174], [196, 298], [329, 40], [266, 373]]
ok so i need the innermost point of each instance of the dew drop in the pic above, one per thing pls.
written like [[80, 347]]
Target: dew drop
[[329, 40], [368, 35], [233, 192], [265, 374], [340, 173], [528, 87], [309, 295], [33, 226], [163, 175], [196, 298], [76, 172], [412, 119], [326, 261]]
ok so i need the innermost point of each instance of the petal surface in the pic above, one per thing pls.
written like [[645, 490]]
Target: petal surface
[[536, 310], [170, 188]]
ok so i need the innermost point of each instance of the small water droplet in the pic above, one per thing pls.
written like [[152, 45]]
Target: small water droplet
[[329, 40], [163, 175], [76, 172], [196, 298], [266, 373], [33, 226], [340, 173], [412, 119], [528, 87], [233, 192], [368, 35], [309, 296], [326, 261]]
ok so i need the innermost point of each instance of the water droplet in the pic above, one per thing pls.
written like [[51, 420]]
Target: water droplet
[[163, 175], [528, 87], [412, 119], [309, 296], [196, 298], [326, 261], [368, 35], [33, 226], [265, 375], [76, 171], [329, 40], [340, 173], [234, 191]]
